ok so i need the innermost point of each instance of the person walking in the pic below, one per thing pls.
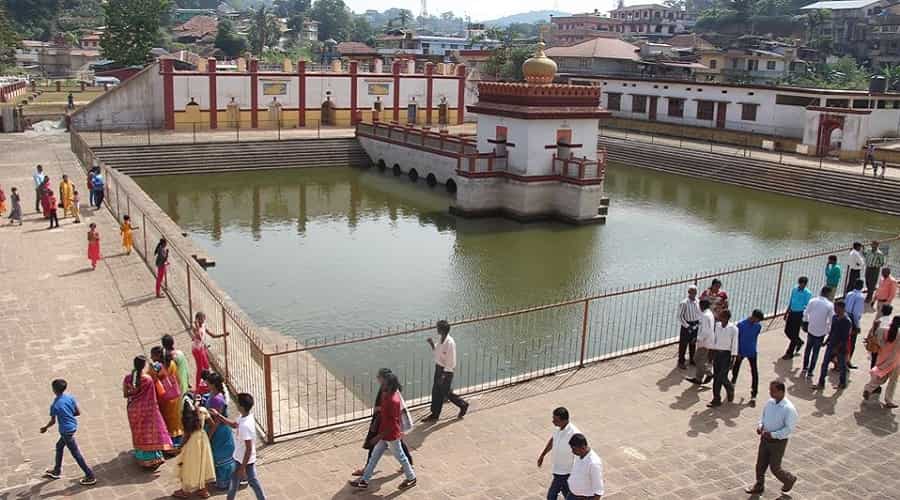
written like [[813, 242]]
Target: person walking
[[586, 479], [870, 158], [702, 358], [689, 316], [93, 238], [874, 259], [98, 186], [66, 194], [879, 328], [886, 290], [125, 229], [562, 454], [38, 177], [748, 336], [54, 214], [389, 436], [777, 423], [888, 366], [837, 345], [793, 317], [855, 303], [65, 411], [374, 422], [444, 365], [162, 261], [718, 298], [723, 350], [15, 210], [855, 265], [76, 208], [817, 316], [832, 275], [2, 201], [244, 447]]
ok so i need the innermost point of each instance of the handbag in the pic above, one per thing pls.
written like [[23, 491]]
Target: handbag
[[871, 342], [406, 422]]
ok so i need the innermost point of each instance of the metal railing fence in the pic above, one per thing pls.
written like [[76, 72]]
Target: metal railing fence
[[148, 133], [319, 383]]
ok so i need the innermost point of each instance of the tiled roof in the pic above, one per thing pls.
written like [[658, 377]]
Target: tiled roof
[[350, 48], [690, 40], [840, 5], [198, 26], [606, 48]]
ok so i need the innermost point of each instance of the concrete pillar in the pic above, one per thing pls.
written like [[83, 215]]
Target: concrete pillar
[[395, 70], [213, 104], [461, 94], [336, 66], [429, 91], [378, 65], [354, 92], [254, 93], [301, 93], [411, 66], [168, 93]]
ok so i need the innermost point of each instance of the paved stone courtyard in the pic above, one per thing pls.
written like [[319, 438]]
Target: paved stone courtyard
[[653, 430]]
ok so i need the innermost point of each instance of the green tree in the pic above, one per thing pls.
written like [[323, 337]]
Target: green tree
[[892, 75], [9, 40], [404, 16], [34, 19], [334, 18], [132, 29], [228, 40], [506, 63], [264, 30], [288, 8]]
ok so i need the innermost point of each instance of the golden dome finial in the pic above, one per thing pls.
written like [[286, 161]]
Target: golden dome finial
[[539, 69]]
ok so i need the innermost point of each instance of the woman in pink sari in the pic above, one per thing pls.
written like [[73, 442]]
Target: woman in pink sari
[[149, 435]]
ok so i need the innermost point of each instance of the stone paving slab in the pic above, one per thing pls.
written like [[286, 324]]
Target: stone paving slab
[[653, 430]]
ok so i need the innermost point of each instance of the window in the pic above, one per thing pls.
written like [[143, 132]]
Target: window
[[861, 103], [770, 65], [713, 63], [613, 101], [706, 110], [748, 112], [796, 100], [639, 103], [837, 103], [752, 64], [676, 107], [585, 62]]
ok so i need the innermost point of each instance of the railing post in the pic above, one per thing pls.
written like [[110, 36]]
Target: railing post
[[148, 134], [194, 134], [144, 229], [118, 213], [101, 134], [778, 287], [584, 333], [270, 417], [187, 266], [225, 339]]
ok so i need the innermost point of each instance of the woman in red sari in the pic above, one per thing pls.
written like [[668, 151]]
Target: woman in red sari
[[148, 429], [46, 191]]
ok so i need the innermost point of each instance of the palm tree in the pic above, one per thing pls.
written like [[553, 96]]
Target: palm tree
[[892, 75], [264, 31]]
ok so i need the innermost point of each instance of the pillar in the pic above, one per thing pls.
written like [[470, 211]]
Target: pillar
[[429, 91], [213, 104], [301, 93], [395, 70], [378, 65], [411, 66], [461, 94], [254, 93], [354, 70], [168, 93]]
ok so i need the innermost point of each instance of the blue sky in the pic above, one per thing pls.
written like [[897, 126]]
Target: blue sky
[[480, 10]]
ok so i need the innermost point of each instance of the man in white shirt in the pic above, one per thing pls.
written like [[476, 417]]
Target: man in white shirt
[[704, 337], [562, 453], [723, 350], [444, 365], [855, 263], [38, 176], [689, 316], [244, 447], [778, 420], [586, 479], [817, 318]]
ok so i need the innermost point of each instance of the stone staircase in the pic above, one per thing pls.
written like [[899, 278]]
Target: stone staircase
[[830, 186], [218, 157]]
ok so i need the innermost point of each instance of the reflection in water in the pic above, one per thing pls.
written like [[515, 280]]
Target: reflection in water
[[317, 253]]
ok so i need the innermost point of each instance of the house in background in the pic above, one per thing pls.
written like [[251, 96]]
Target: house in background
[[577, 28], [851, 26], [651, 20], [196, 30], [356, 51], [598, 56]]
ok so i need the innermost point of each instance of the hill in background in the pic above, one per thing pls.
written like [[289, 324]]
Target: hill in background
[[525, 17]]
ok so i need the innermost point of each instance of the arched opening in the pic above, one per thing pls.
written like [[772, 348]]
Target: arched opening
[[397, 171], [451, 186], [328, 112], [830, 134], [413, 175], [431, 180], [382, 166]]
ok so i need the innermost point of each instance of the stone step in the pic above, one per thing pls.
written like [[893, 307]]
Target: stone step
[[238, 160], [266, 145]]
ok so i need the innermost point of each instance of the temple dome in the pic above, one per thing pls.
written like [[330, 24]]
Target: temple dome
[[539, 69]]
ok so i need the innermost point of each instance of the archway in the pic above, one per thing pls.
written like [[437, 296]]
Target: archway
[[413, 175], [830, 127], [382, 166], [451, 186], [328, 113], [431, 180], [396, 169]]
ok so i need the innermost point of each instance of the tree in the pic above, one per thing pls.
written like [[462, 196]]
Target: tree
[[288, 8], [9, 40], [264, 30], [132, 29], [892, 75], [231, 43], [506, 63], [362, 31], [334, 18], [404, 16]]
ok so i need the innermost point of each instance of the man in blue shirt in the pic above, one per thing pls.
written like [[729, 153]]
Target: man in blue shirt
[[855, 302], [777, 423], [748, 333], [793, 317], [63, 411], [832, 275], [837, 342]]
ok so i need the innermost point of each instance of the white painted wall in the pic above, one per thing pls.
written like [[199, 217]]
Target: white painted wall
[[135, 104], [443, 167]]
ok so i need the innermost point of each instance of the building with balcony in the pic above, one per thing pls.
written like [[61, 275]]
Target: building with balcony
[[577, 28], [651, 20], [53, 59], [850, 25], [606, 56], [399, 43]]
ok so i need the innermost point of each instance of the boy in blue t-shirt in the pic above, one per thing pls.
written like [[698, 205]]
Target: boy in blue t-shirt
[[748, 333], [63, 411]]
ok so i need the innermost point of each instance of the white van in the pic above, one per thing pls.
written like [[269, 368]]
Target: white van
[[110, 81]]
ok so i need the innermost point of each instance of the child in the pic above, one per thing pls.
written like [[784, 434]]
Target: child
[[125, 229], [93, 238], [244, 446], [65, 409], [76, 208], [195, 462], [15, 213], [54, 216], [2, 201]]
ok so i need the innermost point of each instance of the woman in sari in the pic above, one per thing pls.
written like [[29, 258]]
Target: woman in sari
[[168, 343], [46, 191], [165, 371], [220, 436], [148, 429]]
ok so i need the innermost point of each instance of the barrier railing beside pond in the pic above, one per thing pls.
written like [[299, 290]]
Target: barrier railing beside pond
[[299, 388]]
